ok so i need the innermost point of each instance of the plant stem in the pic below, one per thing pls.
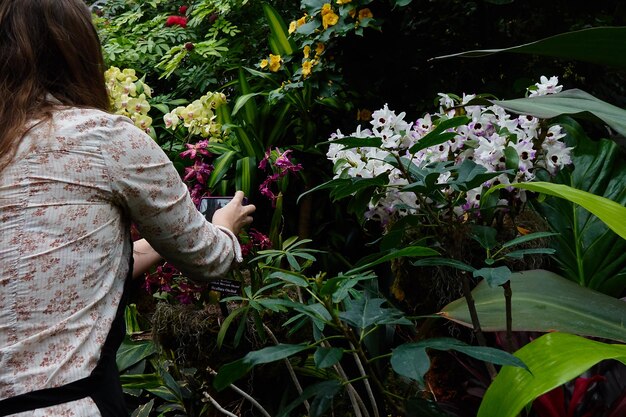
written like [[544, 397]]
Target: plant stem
[[368, 388], [243, 394], [480, 337], [357, 402], [292, 373], [218, 406], [509, 316], [371, 373]]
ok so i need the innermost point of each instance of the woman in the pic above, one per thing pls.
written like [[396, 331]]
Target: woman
[[72, 179]]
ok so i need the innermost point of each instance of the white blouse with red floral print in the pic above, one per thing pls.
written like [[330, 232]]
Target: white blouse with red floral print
[[66, 204]]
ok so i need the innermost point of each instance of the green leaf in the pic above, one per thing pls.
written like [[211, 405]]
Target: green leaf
[[356, 142], [527, 238], [600, 45], [249, 145], [365, 312], [543, 301], [552, 359], [438, 134], [143, 410], [569, 102], [280, 41], [411, 360], [587, 251], [444, 262], [494, 276], [294, 279], [226, 324], [519, 254], [610, 212], [232, 371], [141, 381], [485, 235], [409, 251], [511, 158], [326, 357], [130, 353], [472, 175], [221, 165], [245, 99], [246, 102], [323, 392], [245, 174]]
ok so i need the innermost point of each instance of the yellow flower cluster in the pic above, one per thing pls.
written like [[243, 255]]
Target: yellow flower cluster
[[297, 23], [307, 64], [123, 87], [329, 18], [198, 117], [363, 14], [274, 63]]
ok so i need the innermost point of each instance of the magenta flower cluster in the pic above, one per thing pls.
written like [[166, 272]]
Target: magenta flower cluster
[[197, 175], [257, 241], [281, 165]]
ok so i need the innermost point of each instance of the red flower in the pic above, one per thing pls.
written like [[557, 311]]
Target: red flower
[[176, 20], [183, 9]]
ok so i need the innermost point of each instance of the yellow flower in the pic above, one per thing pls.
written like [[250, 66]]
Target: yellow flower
[[302, 20], [319, 49], [365, 13], [307, 51], [292, 27], [306, 68], [329, 18], [275, 62], [263, 63], [326, 9], [352, 13]]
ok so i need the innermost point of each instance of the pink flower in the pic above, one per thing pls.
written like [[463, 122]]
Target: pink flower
[[259, 239], [264, 161], [199, 172], [196, 192], [284, 163], [176, 20], [246, 249], [182, 10], [193, 149]]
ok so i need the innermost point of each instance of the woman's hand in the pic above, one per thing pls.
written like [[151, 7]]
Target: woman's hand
[[234, 215]]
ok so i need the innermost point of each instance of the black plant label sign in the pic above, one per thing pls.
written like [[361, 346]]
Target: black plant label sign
[[226, 286]]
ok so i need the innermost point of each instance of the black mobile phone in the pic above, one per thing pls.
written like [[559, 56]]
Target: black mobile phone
[[208, 205]]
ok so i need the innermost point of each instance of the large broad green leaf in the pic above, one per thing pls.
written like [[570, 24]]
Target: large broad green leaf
[[587, 251], [366, 312], [610, 212], [130, 353], [411, 360], [543, 301], [232, 371], [601, 45], [569, 102], [553, 359]]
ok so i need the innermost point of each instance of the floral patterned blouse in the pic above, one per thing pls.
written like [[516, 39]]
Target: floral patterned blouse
[[66, 204]]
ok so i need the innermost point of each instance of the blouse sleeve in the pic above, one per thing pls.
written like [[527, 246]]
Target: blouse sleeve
[[148, 187]]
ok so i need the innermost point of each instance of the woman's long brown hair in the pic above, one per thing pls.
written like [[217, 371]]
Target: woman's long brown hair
[[46, 47]]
